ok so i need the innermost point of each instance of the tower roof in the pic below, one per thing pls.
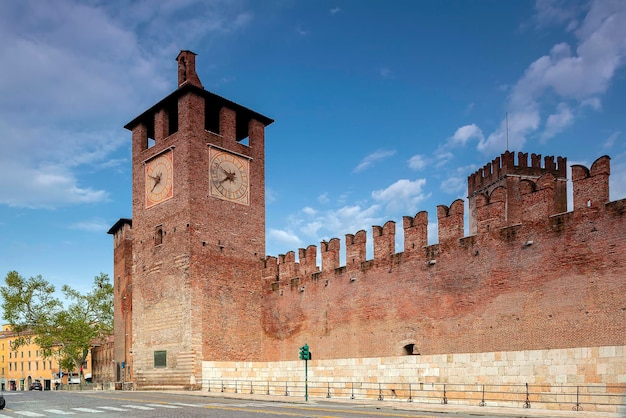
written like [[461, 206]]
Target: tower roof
[[243, 113]]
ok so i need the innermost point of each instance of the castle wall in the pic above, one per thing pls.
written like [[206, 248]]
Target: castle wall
[[555, 371], [555, 280]]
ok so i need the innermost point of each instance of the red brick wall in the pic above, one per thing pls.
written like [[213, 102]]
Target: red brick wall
[[488, 292]]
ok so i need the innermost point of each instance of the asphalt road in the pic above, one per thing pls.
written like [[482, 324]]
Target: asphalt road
[[158, 404]]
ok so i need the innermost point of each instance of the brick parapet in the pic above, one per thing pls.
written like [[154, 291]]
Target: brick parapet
[[537, 209], [505, 165]]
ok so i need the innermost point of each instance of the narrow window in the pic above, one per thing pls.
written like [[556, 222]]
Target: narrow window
[[158, 235]]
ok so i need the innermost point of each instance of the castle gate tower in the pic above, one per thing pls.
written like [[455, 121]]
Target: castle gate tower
[[198, 232]]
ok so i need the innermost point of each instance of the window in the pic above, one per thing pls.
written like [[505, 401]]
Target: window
[[158, 235], [160, 359]]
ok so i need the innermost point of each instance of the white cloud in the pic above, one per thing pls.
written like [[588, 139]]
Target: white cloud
[[43, 187], [577, 79], [335, 10], [466, 133], [403, 195], [558, 121], [70, 68], [323, 198], [417, 162], [454, 185], [373, 158], [556, 12], [610, 141], [312, 229], [93, 225], [285, 237]]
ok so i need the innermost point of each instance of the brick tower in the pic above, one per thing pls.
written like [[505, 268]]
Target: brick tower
[[198, 233], [503, 173]]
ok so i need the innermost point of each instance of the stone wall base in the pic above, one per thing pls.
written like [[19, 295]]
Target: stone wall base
[[592, 377]]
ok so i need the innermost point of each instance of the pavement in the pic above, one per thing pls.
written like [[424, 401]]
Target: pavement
[[450, 409]]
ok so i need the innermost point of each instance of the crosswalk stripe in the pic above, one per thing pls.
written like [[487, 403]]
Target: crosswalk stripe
[[113, 408], [192, 405], [90, 410], [29, 414], [140, 407], [59, 412], [162, 405]]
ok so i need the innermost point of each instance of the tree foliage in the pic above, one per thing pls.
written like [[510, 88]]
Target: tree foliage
[[66, 332]]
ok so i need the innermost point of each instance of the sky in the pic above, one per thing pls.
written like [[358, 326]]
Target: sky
[[381, 109]]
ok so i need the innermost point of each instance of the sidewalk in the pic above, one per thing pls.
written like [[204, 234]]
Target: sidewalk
[[452, 409]]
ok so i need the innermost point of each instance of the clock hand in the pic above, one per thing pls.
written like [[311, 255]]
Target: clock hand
[[229, 176], [157, 180]]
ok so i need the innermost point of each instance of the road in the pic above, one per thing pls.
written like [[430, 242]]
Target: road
[[158, 404]]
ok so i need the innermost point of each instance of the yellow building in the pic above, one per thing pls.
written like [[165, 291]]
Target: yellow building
[[19, 368]]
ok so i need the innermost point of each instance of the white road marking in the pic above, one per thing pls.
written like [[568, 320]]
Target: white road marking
[[140, 407], [162, 405], [90, 410], [112, 408]]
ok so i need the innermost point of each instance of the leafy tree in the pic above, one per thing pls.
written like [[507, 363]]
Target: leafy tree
[[32, 310]]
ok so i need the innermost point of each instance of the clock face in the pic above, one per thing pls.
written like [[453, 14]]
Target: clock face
[[159, 179], [229, 177]]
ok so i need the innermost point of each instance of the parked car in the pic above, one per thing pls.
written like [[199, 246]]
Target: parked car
[[36, 385]]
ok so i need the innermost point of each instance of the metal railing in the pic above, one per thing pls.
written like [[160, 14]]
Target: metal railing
[[540, 396]]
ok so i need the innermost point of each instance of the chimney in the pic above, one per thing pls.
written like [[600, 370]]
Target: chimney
[[187, 69]]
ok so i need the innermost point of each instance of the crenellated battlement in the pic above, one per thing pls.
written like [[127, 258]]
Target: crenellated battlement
[[505, 165], [538, 197]]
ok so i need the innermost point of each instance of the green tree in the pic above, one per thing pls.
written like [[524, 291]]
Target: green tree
[[66, 332]]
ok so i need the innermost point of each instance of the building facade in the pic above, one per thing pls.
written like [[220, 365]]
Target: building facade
[[21, 366], [193, 283]]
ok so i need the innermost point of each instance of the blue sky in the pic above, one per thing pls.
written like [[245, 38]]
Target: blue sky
[[382, 109]]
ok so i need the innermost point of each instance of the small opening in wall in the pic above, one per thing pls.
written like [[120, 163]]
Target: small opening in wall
[[158, 235], [160, 359], [410, 350], [589, 203]]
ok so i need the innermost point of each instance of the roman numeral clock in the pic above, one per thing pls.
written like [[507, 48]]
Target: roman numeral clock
[[229, 176], [159, 178]]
